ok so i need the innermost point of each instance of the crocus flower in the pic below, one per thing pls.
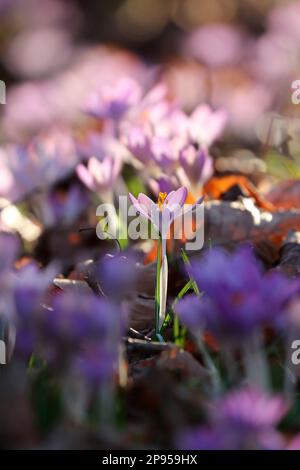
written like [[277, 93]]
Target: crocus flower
[[244, 419], [294, 444], [163, 184], [30, 287], [29, 292], [206, 125], [117, 275], [238, 302], [165, 152], [47, 159], [61, 206], [70, 322], [216, 44], [239, 298], [196, 167], [168, 208], [114, 102], [138, 141], [100, 176]]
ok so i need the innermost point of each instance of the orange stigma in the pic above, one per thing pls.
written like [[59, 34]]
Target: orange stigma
[[161, 199]]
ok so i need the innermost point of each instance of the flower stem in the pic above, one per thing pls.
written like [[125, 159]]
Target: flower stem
[[209, 364], [255, 363], [157, 291]]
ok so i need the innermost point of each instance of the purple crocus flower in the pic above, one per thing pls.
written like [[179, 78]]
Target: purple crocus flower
[[164, 151], [100, 176], [61, 207], [196, 167], [71, 326], [238, 299], [30, 287], [114, 102], [250, 409], [163, 184], [84, 326], [138, 141], [206, 125], [96, 363], [48, 158], [164, 212], [216, 44], [169, 207], [117, 275], [243, 420], [29, 292], [294, 444]]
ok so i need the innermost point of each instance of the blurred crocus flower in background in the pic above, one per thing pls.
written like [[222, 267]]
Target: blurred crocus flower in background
[[284, 19], [30, 290], [165, 152], [243, 419], [216, 44], [60, 207], [206, 125], [118, 275], [42, 39], [196, 167], [45, 160], [138, 141], [66, 92], [100, 176], [114, 102]]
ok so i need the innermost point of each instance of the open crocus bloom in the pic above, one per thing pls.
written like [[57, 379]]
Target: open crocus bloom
[[100, 176], [164, 212], [168, 208]]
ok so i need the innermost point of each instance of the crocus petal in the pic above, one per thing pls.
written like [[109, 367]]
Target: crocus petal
[[147, 202], [140, 208], [95, 166], [85, 176], [177, 198]]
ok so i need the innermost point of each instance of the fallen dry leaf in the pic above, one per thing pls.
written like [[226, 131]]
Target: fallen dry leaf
[[233, 222], [216, 187]]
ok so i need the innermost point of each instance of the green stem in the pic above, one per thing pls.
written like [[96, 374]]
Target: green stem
[[209, 364], [157, 291], [255, 363], [188, 264], [170, 314]]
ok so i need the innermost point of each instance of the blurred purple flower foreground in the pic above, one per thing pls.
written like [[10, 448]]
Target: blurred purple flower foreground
[[239, 298], [74, 330], [243, 419]]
